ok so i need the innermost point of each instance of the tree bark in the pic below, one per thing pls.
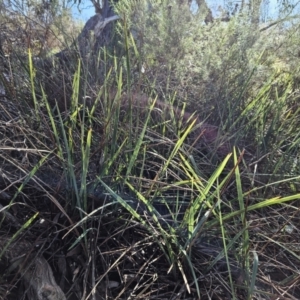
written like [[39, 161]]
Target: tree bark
[[205, 10]]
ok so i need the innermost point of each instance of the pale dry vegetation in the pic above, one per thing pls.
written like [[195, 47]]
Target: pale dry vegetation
[[114, 173]]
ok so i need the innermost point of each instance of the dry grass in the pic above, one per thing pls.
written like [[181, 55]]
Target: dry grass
[[139, 205]]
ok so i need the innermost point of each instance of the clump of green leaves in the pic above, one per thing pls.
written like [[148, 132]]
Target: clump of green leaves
[[236, 74]]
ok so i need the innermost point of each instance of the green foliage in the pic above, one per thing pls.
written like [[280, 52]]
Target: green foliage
[[237, 77], [44, 27]]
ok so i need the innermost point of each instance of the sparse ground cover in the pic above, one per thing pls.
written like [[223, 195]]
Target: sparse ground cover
[[163, 166]]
